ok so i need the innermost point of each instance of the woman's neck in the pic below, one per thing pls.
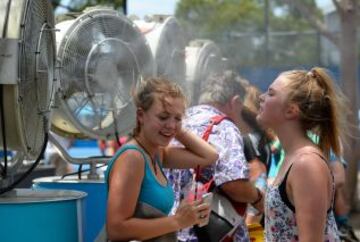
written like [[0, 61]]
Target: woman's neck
[[292, 139], [145, 144]]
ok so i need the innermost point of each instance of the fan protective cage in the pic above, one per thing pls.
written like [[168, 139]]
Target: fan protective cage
[[102, 55], [203, 57], [167, 41], [27, 102]]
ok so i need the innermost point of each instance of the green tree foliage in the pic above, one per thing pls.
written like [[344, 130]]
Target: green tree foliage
[[202, 17], [290, 19], [240, 29]]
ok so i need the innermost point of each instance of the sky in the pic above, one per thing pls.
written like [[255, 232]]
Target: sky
[[326, 5], [149, 7]]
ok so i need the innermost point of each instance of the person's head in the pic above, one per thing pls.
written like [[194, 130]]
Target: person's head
[[252, 98], [250, 110], [308, 98], [225, 92], [160, 107]]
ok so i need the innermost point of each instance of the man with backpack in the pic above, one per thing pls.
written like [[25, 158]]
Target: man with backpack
[[219, 115]]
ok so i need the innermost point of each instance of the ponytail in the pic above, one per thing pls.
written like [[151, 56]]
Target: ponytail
[[321, 104]]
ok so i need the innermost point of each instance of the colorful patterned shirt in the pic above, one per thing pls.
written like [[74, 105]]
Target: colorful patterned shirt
[[230, 166]]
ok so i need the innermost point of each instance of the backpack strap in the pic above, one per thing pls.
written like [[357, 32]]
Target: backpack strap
[[240, 207], [215, 120]]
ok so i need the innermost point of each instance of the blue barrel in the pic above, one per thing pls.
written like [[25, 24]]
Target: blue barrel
[[95, 202], [42, 216]]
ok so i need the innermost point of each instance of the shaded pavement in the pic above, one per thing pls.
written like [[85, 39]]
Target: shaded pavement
[[355, 216]]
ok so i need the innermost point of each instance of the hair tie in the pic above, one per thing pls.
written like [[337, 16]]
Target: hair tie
[[311, 74], [315, 74]]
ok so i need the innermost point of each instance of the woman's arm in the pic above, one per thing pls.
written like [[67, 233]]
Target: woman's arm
[[196, 151], [309, 189], [124, 188]]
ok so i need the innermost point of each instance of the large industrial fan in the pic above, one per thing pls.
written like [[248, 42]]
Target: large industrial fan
[[203, 57], [167, 41], [27, 47], [101, 56], [27, 59]]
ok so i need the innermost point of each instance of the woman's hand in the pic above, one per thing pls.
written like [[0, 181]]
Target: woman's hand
[[189, 214], [196, 151], [180, 133]]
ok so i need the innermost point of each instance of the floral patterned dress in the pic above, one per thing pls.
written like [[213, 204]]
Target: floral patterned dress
[[280, 222]]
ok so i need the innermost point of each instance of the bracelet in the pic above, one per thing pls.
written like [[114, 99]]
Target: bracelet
[[258, 199]]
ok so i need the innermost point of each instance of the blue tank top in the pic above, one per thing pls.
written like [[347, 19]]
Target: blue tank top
[[152, 192]]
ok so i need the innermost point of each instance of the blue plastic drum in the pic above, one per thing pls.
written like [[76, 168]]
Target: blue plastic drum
[[42, 216], [95, 202]]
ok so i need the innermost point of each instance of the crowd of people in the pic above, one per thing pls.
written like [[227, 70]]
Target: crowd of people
[[275, 157]]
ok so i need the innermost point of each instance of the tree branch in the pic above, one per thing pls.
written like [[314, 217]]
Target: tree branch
[[351, 5], [314, 20], [337, 6]]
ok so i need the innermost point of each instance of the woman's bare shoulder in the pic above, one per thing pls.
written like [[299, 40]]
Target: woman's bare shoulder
[[130, 157], [310, 165]]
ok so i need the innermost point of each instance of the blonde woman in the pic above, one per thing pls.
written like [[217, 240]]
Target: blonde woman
[[299, 204], [135, 174]]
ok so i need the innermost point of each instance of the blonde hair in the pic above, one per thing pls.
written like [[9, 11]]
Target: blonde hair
[[252, 98], [148, 90], [251, 109], [321, 104]]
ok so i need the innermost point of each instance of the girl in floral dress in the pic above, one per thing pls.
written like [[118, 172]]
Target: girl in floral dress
[[299, 204]]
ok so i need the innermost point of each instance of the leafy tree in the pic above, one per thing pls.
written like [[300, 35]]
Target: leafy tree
[[216, 20], [209, 16], [292, 39], [239, 27]]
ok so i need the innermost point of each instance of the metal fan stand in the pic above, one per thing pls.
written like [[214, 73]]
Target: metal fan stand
[[27, 59], [92, 160], [26, 77]]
